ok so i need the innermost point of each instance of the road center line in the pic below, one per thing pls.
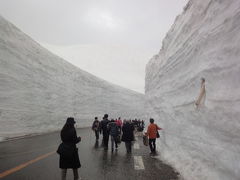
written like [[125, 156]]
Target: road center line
[[136, 146], [138, 163], [21, 166]]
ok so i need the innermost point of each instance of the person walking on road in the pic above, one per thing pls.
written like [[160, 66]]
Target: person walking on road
[[152, 133], [119, 124], [69, 158], [128, 136], [105, 131], [96, 128], [113, 131]]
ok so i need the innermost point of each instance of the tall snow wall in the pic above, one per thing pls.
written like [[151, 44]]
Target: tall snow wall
[[39, 90], [202, 143]]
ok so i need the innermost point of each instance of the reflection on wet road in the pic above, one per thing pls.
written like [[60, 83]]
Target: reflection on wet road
[[97, 163]]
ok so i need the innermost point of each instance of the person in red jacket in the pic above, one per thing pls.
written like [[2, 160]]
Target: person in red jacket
[[152, 135]]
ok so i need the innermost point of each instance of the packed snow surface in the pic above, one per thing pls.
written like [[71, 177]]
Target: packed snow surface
[[202, 143], [39, 90]]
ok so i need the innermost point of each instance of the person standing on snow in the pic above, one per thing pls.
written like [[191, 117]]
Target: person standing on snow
[[96, 128], [105, 131], [202, 95], [152, 135]]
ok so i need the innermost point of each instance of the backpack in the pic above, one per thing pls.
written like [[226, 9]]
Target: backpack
[[95, 125]]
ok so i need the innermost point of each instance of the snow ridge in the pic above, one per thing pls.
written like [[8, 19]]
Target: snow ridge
[[204, 41], [39, 90]]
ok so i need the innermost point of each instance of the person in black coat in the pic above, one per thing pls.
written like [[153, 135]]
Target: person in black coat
[[105, 131], [68, 151], [128, 136], [113, 132]]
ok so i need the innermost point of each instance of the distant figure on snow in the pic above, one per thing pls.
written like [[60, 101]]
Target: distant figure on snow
[[202, 95], [152, 134], [67, 150]]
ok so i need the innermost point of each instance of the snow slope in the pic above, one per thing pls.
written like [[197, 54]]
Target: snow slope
[[130, 61], [203, 143], [39, 90]]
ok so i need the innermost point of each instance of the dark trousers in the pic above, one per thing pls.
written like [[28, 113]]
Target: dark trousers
[[105, 140], [152, 145], [128, 145], [114, 141], [64, 174], [97, 134], [119, 129]]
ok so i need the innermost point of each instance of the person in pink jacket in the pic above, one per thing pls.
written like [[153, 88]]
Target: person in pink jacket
[[119, 124]]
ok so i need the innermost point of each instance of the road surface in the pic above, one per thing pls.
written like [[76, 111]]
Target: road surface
[[35, 158]]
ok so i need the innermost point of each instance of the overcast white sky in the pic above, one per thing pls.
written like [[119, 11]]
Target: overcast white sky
[[112, 39]]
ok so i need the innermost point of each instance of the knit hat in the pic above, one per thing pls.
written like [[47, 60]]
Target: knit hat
[[70, 120]]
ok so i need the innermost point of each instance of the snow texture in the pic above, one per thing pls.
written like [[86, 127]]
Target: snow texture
[[202, 143], [39, 90]]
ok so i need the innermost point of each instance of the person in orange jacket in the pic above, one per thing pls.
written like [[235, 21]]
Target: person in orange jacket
[[152, 135]]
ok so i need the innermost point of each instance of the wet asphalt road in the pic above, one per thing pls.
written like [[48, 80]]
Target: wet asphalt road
[[96, 162]]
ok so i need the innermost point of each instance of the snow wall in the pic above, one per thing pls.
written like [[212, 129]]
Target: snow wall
[[39, 90], [203, 143]]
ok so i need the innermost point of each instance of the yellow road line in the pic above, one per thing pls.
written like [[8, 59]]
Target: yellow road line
[[21, 166]]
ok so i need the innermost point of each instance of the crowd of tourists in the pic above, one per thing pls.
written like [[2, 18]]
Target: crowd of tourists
[[117, 130]]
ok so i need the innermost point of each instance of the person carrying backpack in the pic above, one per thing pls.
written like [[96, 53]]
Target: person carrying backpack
[[96, 128], [152, 134], [113, 132]]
